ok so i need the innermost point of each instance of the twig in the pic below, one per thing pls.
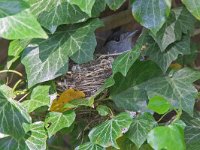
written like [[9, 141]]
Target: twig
[[12, 71], [116, 20], [24, 97], [196, 32], [16, 84], [57, 147]]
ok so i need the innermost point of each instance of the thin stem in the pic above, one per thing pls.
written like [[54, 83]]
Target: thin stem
[[179, 113], [163, 116], [57, 147], [12, 71], [16, 84], [196, 32], [112, 115], [24, 97]]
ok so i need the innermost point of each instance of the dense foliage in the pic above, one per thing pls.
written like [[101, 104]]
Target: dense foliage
[[46, 34]]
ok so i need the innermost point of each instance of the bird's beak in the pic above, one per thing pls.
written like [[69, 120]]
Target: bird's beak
[[133, 33]]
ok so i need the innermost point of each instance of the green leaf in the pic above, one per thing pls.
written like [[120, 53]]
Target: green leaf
[[184, 19], [124, 144], [177, 88], [51, 13], [169, 137], [164, 59], [12, 115], [35, 140], [167, 35], [113, 4], [56, 121], [152, 14], [193, 6], [123, 62], [180, 21], [86, 5], [126, 92], [11, 7], [15, 49], [79, 102], [103, 110], [89, 146], [108, 132], [140, 128], [47, 59], [107, 83], [21, 26], [9, 143], [7, 91], [99, 6], [39, 97], [158, 104], [38, 137], [192, 130]]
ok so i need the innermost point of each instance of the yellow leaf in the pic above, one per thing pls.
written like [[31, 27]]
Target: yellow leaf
[[64, 98], [175, 66]]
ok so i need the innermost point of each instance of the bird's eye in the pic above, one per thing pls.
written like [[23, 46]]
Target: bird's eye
[[117, 38]]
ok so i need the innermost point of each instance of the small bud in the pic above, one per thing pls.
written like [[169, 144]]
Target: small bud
[[124, 130]]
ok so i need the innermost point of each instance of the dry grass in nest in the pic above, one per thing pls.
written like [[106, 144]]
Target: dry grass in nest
[[88, 77]]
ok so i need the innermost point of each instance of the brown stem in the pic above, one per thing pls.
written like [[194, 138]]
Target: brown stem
[[116, 20]]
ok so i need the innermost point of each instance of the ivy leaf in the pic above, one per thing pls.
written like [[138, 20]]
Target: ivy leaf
[[38, 137], [140, 128], [158, 104], [9, 143], [99, 6], [192, 130], [108, 132], [79, 102], [164, 59], [126, 92], [113, 4], [123, 62], [21, 26], [152, 14], [52, 13], [35, 140], [13, 116], [56, 121], [124, 143], [63, 102], [11, 7], [193, 6], [167, 35], [184, 20], [167, 137], [86, 6], [7, 91], [47, 59], [15, 49], [107, 83], [39, 98], [103, 110], [89, 146], [177, 88], [180, 21]]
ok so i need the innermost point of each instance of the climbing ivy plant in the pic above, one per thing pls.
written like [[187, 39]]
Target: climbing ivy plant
[[156, 78]]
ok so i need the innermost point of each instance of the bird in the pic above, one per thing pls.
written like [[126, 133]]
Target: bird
[[119, 43]]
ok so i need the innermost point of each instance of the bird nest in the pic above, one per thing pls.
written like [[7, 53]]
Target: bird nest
[[88, 77]]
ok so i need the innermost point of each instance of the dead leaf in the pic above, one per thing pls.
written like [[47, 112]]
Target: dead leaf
[[65, 97], [175, 66]]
